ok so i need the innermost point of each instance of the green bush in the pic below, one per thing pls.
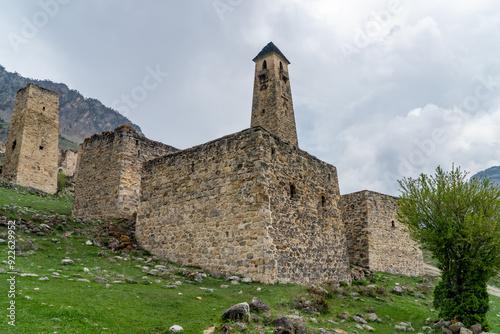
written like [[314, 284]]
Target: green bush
[[61, 181]]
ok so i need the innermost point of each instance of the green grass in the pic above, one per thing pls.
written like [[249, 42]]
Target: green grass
[[22, 202], [65, 306]]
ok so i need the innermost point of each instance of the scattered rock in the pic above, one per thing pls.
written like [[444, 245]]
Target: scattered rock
[[43, 279], [246, 280], [297, 320], [455, 328], [2, 271], [372, 317], [318, 290], [100, 280], [258, 305], [176, 329], [477, 328], [240, 326], [344, 316], [283, 322], [238, 312], [359, 319], [211, 330], [83, 280], [400, 328], [464, 330], [67, 261], [397, 290]]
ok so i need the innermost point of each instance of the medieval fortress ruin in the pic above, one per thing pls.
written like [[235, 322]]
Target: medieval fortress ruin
[[251, 203]]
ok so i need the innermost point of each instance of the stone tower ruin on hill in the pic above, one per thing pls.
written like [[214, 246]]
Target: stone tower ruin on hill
[[250, 203], [109, 173], [31, 157], [272, 106]]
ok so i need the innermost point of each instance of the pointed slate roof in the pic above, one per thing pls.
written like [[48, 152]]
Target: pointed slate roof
[[270, 47]]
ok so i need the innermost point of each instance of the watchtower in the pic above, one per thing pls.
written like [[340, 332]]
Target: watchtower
[[32, 147], [272, 106]]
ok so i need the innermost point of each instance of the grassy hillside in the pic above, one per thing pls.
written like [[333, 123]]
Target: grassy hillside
[[135, 300]]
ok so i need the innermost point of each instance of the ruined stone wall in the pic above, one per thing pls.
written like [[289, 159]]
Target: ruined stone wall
[[67, 161], [32, 146], [224, 206], [109, 170], [374, 218]]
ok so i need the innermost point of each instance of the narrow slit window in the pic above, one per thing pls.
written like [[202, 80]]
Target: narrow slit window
[[14, 145], [264, 65], [323, 201], [293, 191], [392, 224]]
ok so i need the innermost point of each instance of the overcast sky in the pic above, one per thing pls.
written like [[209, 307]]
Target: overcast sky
[[381, 89]]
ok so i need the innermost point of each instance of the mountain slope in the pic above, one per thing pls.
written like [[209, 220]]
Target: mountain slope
[[493, 173], [79, 117]]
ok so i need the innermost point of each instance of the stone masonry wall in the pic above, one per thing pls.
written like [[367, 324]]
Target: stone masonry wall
[[109, 169], [217, 206], [374, 218], [308, 234], [67, 161], [32, 146]]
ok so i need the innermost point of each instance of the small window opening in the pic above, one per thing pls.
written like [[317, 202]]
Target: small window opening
[[192, 167], [263, 111], [264, 65], [227, 234], [273, 153], [137, 141], [43, 108], [392, 224], [14, 145], [262, 78], [323, 201], [293, 191], [281, 66], [41, 147]]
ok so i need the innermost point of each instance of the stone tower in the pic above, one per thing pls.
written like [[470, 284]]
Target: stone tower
[[272, 106], [32, 148]]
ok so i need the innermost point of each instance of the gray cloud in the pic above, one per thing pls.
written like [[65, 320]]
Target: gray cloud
[[373, 111]]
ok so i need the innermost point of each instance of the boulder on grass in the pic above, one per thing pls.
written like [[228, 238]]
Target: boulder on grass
[[238, 312]]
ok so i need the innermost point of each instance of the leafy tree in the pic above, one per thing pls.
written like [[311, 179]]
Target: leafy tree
[[459, 222], [61, 181]]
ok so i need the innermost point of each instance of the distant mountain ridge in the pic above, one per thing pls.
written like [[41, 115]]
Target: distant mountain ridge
[[493, 173], [79, 117]]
